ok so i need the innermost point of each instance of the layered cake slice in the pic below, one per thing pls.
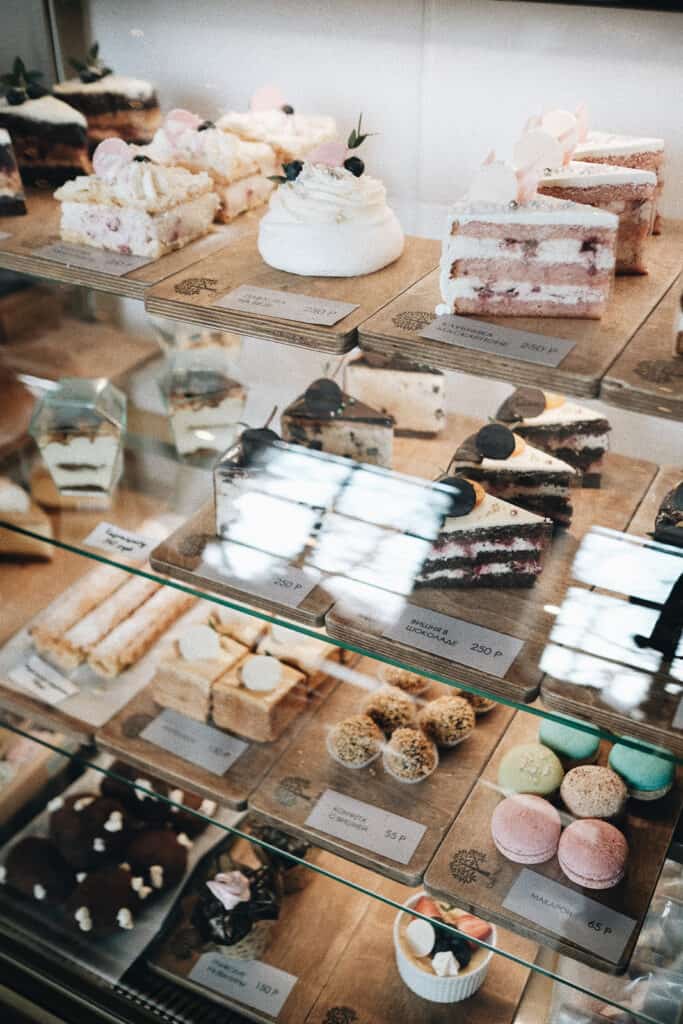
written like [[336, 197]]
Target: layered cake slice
[[625, 191], [559, 426], [329, 420], [12, 202], [131, 205], [259, 698], [273, 120], [510, 468], [669, 519], [644, 153], [239, 170], [205, 406], [49, 138], [485, 541], [114, 105], [413, 395]]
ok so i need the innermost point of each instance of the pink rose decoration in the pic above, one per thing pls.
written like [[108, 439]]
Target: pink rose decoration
[[330, 154], [110, 157], [268, 97], [230, 888], [179, 121]]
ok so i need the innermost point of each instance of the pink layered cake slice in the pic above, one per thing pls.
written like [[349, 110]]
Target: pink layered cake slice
[[628, 192], [542, 257], [646, 154]]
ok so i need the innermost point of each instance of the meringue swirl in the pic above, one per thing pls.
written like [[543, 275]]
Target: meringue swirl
[[329, 195]]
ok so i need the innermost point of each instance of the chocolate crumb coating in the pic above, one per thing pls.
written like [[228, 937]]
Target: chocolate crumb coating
[[447, 720], [390, 709], [410, 756], [355, 741], [35, 867]]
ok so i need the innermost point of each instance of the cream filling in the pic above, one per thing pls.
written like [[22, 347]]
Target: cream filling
[[472, 549], [588, 175], [568, 412], [527, 291], [135, 88], [213, 426], [243, 195], [490, 569], [607, 144], [577, 442], [90, 463], [550, 250], [539, 211]]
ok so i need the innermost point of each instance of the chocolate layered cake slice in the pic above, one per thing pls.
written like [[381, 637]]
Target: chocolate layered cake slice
[[644, 153], [12, 202], [545, 257], [628, 192], [414, 395], [49, 139], [327, 419], [563, 428], [512, 469], [485, 541], [669, 519]]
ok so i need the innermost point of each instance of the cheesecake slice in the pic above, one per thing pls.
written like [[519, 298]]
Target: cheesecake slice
[[413, 395]]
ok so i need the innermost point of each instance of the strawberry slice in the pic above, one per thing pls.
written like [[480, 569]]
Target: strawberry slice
[[427, 906]]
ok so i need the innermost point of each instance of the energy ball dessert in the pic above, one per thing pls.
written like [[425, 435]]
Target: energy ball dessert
[[410, 682], [409, 756], [328, 218], [355, 742], [447, 721], [591, 791], [526, 829], [481, 704], [593, 854], [236, 912], [390, 709], [530, 768], [35, 867], [103, 902]]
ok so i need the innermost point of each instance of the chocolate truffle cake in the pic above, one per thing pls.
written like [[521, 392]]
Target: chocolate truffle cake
[[36, 868], [159, 857], [485, 541], [142, 803], [12, 202], [510, 468], [669, 520], [103, 902], [89, 830], [236, 911], [558, 426]]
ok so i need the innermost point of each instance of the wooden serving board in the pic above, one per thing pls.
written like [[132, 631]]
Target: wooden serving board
[[291, 790], [655, 696], [241, 264], [648, 377], [395, 329], [121, 736], [468, 867], [40, 227]]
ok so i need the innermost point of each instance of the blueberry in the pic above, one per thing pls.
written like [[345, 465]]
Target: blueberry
[[205, 125], [443, 939], [287, 109], [292, 170], [461, 950], [355, 165], [34, 90], [88, 75], [141, 159], [16, 96]]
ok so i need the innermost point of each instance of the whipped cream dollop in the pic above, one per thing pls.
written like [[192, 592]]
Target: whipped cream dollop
[[143, 185], [46, 108], [329, 195], [219, 153], [136, 88]]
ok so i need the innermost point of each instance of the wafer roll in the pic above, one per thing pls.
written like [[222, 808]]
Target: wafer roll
[[69, 608]]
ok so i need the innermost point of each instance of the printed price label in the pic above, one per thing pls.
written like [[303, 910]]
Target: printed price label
[[284, 584], [43, 681], [367, 826], [497, 340], [108, 537], [251, 982], [570, 915], [303, 309], [87, 257], [455, 639], [195, 742], [4, 235]]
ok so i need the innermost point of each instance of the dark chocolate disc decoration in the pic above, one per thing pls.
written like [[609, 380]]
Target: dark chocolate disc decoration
[[466, 451], [677, 497], [464, 496], [323, 397], [255, 440], [494, 441], [524, 402]]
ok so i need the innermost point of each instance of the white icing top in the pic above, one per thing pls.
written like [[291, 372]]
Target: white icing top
[[540, 210], [578, 174], [134, 88], [568, 412], [12, 497], [607, 144], [4, 138], [530, 460], [489, 513], [328, 195], [144, 186], [211, 150], [288, 131], [45, 108]]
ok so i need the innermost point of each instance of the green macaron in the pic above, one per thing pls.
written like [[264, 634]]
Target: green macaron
[[576, 745], [648, 776], [530, 768]]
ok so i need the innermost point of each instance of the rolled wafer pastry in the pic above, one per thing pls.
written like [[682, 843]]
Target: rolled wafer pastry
[[78, 641], [133, 637], [69, 608]]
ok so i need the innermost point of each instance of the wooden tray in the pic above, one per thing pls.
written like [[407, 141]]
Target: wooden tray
[[395, 329], [289, 792], [469, 868], [41, 227], [121, 736], [647, 377], [242, 264]]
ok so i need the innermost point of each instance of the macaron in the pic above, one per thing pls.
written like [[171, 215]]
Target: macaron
[[593, 854], [648, 776], [591, 791], [577, 746], [526, 828], [530, 768]]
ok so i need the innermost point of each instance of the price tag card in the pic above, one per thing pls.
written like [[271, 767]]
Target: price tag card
[[303, 309], [455, 639], [251, 982], [270, 578], [367, 826], [496, 340], [570, 915], [87, 257], [195, 742], [43, 681], [108, 537], [4, 235]]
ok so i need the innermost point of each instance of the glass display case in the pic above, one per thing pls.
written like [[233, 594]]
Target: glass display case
[[341, 568]]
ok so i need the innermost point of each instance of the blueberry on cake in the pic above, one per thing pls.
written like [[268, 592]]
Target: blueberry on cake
[[485, 541], [512, 469], [412, 394], [12, 202], [558, 426], [114, 105], [669, 520]]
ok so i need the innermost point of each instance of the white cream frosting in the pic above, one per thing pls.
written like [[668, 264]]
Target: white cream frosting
[[540, 210], [491, 513], [527, 291], [134, 88], [578, 174], [142, 185], [608, 144], [45, 108], [329, 195], [295, 134], [548, 250], [530, 460], [4, 138], [220, 154], [568, 412]]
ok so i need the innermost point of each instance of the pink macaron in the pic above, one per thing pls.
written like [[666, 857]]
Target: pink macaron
[[526, 828], [593, 853]]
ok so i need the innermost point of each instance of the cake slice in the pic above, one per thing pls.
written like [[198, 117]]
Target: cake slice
[[628, 192], [485, 541], [327, 419], [644, 153], [512, 469], [17, 509], [131, 205], [307, 653], [543, 257], [559, 426], [12, 202], [49, 139], [204, 406], [274, 121], [259, 698], [669, 519], [412, 394]]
